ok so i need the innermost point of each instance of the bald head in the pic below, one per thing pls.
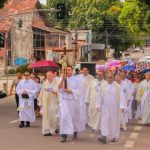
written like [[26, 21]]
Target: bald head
[[110, 78], [147, 76], [100, 75], [123, 75], [50, 75], [118, 78]]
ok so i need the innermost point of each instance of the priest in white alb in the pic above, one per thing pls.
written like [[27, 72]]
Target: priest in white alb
[[143, 97], [71, 116], [84, 79], [130, 91], [94, 115], [124, 99], [109, 103], [26, 90], [48, 102]]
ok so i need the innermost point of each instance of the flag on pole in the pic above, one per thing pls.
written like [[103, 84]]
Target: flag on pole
[[2, 52]]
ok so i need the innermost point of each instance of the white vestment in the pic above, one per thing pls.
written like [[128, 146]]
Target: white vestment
[[109, 101], [26, 106], [84, 83], [48, 99], [129, 95], [143, 95], [125, 100], [71, 112], [90, 98]]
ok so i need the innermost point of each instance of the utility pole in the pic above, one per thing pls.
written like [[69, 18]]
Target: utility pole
[[106, 43], [76, 46], [6, 61]]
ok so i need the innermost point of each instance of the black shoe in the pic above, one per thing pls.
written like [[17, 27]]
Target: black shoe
[[113, 140], [57, 131], [21, 124], [148, 125], [48, 134], [75, 136], [63, 140], [102, 139], [27, 124]]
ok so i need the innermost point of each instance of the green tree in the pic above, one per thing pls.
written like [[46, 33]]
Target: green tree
[[101, 16], [2, 2], [136, 16], [58, 23]]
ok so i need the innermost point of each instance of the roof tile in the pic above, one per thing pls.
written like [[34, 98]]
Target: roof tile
[[14, 5]]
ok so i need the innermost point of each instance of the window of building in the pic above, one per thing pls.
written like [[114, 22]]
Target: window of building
[[38, 38], [39, 55]]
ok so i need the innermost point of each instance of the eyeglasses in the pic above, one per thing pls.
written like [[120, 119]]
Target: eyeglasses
[[109, 77], [26, 74]]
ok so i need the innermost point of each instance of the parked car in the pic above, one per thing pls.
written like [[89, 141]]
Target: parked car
[[2, 94], [137, 49]]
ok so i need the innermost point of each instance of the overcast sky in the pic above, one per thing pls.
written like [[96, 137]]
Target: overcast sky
[[43, 1]]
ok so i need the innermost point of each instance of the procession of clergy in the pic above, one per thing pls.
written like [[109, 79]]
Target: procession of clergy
[[103, 103]]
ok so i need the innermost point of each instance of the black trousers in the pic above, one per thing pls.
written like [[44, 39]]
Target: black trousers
[[35, 104], [64, 135], [17, 99]]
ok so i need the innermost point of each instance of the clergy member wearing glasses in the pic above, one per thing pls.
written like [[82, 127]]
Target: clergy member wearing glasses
[[26, 90]]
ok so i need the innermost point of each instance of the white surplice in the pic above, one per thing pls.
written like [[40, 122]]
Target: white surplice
[[71, 112], [143, 95], [109, 101], [129, 95], [84, 83], [125, 100], [26, 106], [90, 98]]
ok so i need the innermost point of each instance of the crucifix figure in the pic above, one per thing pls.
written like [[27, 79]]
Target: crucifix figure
[[64, 67]]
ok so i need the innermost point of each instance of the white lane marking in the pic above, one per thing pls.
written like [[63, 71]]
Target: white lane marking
[[14, 121], [134, 135], [129, 144], [137, 128]]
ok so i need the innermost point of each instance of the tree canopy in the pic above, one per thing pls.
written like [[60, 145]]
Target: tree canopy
[[112, 22]]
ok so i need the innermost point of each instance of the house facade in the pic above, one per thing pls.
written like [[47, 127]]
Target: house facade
[[28, 35]]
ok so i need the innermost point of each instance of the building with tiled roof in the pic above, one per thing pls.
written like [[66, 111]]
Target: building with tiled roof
[[28, 35]]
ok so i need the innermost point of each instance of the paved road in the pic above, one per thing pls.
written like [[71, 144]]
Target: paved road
[[136, 137]]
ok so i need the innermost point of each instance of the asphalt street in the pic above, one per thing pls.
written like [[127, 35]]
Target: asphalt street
[[136, 137]]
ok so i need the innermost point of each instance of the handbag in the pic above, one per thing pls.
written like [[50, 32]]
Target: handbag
[[26, 96]]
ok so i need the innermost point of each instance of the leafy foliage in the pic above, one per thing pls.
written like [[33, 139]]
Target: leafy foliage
[[111, 21], [22, 68]]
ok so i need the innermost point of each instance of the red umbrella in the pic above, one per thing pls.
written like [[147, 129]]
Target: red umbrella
[[46, 64]]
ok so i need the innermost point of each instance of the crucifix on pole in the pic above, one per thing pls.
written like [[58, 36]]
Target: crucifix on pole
[[64, 66]]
